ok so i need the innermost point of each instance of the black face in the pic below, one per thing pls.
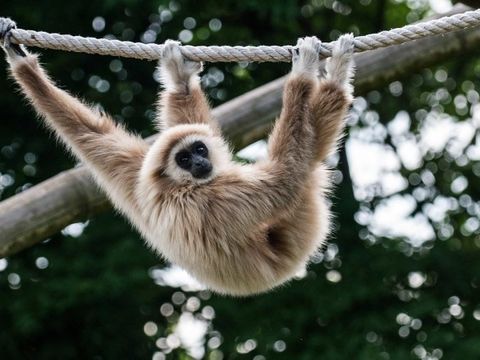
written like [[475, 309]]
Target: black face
[[195, 160]]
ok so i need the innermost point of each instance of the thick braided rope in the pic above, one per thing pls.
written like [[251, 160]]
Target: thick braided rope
[[240, 53]]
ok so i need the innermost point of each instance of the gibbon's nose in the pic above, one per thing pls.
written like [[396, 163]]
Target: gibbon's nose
[[201, 167]]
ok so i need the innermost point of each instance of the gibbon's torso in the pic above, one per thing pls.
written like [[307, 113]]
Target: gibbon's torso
[[183, 228]]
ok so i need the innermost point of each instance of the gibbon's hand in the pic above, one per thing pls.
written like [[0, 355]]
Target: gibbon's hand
[[340, 67], [305, 58], [176, 71], [13, 51]]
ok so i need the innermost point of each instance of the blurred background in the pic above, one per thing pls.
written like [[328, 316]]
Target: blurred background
[[400, 278]]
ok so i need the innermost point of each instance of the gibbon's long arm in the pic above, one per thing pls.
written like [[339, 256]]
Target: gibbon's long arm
[[333, 98], [329, 109], [113, 155], [327, 101], [291, 140], [182, 101]]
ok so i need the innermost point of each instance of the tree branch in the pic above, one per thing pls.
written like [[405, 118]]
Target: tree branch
[[71, 196]]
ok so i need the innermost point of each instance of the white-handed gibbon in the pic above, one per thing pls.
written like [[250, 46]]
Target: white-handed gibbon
[[239, 229]]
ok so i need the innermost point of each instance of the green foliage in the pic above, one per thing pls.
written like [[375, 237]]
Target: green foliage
[[93, 293]]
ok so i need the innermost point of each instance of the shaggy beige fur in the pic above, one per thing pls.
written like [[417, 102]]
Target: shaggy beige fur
[[244, 229]]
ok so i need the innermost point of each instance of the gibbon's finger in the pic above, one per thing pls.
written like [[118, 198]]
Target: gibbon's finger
[[295, 54], [6, 24]]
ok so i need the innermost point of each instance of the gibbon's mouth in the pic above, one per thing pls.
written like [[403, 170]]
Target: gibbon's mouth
[[201, 169]]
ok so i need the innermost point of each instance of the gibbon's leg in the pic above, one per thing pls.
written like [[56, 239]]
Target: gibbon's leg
[[334, 95], [182, 101], [113, 155]]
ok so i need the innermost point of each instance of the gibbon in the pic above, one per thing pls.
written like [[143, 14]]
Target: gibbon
[[240, 229]]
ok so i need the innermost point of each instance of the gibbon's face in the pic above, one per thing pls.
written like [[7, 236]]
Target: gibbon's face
[[187, 154], [194, 159]]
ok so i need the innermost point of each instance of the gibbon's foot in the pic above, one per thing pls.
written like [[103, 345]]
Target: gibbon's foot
[[13, 50], [340, 67], [305, 59], [175, 69]]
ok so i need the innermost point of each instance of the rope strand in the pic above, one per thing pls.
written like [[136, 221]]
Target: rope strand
[[262, 53]]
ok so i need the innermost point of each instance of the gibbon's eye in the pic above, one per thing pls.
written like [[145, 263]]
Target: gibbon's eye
[[184, 159], [200, 148]]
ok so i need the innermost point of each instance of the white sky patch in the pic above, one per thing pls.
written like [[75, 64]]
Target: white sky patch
[[436, 130], [3, 264], [175, 276], [438, 210], [475, 110], [75, 230], [416, 279], [255, 151], [440, 6], [473, 151], [440, 131], [400, 124], [191, 331], [393, 218], [410, 154], [464, 133], [373, 163], [392, 183]]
